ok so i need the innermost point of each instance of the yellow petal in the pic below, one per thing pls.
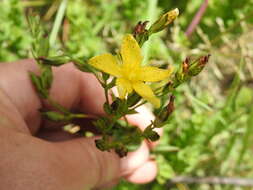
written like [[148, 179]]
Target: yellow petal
[[153, 74], [124, 86], [146, 92], [130, 51], [106, 63]]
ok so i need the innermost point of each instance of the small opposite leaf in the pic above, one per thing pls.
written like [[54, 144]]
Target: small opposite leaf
[[37, 82], [47, 77], [54, 61]]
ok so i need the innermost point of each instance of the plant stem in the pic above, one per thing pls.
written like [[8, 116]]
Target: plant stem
[[142, 103], [196, 19], [57, 106], [52, 9], [152, 4], [106, 95], [212, 180], [57, 22]]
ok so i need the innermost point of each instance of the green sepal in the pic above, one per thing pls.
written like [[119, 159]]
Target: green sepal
[[46, 77], [37, 82]]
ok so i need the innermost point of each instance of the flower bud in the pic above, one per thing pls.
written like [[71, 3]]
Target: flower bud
[[121, 151], [140, 28], [186, 65], [165, 113], [197, 67], [164, 21]]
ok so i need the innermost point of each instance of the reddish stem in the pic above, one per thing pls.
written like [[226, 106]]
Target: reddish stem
[[196, 19]]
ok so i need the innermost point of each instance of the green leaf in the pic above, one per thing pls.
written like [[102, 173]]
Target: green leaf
[[55, 61], [46, 77], [37, 82], [105, 76], [83, 66], [43, 46]]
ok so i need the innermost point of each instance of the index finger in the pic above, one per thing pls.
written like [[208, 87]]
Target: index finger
[[71, 88]]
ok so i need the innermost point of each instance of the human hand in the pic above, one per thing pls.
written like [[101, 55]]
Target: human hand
[[36, 154]]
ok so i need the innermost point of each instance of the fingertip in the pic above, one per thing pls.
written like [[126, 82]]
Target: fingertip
[[134, 159], [144, 174], [90, 166]]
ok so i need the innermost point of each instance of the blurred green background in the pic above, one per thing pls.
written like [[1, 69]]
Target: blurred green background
[[211, 130]]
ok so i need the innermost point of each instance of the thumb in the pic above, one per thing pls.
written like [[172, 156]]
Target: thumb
[[88, 165]]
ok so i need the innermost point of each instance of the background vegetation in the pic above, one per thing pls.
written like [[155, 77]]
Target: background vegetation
[[211, 130]]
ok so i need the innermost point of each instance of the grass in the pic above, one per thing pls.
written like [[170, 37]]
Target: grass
[[211, 130]]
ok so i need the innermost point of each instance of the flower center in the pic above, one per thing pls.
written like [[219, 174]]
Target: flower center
[[131, 72]]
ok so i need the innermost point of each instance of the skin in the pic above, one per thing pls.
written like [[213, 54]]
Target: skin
[[35, 154]]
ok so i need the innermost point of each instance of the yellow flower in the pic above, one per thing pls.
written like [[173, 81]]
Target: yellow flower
[[129, 72]]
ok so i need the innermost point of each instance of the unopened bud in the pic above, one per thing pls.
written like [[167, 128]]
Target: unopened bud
[[140, 28], [164, 21], [186, 64], [196, 68], [121, 151], [165, 113]]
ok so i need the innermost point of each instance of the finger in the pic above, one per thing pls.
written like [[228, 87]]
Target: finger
[[15, 83], [98, 168], [71, 88], [27, 161], [134, 159], [144, 174]]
